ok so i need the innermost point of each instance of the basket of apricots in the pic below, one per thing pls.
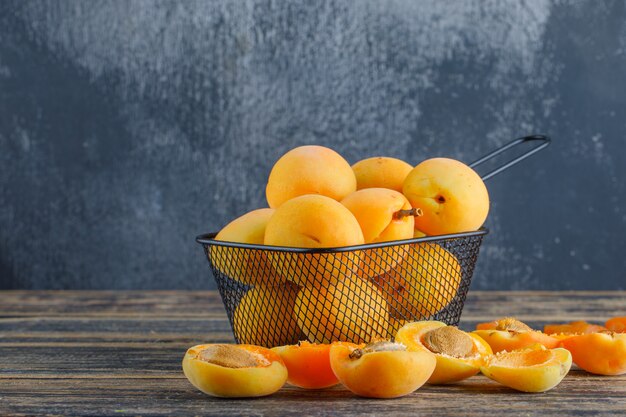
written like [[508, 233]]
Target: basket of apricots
[[351, 253]]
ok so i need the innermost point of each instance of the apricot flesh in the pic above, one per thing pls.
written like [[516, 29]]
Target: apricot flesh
[[529, 370], [309, 170], [381, 172], [598, 353], [422, 284], [308, 365], [451, 195], [353, 310], [251, 266], [387, 373], [234, 370], [264, 316], [313, 221]]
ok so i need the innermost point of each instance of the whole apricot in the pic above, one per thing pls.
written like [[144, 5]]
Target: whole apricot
[[313, 221], [451, 195], [425, 282], [381, 172], [264, 316], [234, 370], [309, 170], [249, 266], [353, 310]]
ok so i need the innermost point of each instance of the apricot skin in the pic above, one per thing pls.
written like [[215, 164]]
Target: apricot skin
[[252, 266], [220, 381], [313, 221], [616, 324], [308, 365], [381, 172], [451, 195], [598, 353], [381, 374], [309, 170]]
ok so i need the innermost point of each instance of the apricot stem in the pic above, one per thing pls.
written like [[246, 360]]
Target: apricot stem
[[416, 212]]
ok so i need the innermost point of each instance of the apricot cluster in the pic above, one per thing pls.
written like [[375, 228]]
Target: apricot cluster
[[317, 200]]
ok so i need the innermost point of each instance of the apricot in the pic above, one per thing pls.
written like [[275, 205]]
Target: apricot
[[510, 334], [264, 316], [234, 370], [451, 195], [352, 310], [313, 221], [616, 324], [308, 365], [381, 369], [598, 353], [309, 170], [459, 354], [250, 266], [425, 282], [530, 369], [381, 172], [574, 327]]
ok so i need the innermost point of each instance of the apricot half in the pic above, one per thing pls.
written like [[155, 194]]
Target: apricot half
[[598, 353], [616, 324], [425, 282], [381, 172], [309, 170], [574, 327], [313, 221], [264, 316], [511, 334], [451, 195], [248, 266], [380, 369], [234, 370], [353, 310], [308, 365], [459, 355]]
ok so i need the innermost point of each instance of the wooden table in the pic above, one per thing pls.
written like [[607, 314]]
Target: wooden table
[[119, 353]]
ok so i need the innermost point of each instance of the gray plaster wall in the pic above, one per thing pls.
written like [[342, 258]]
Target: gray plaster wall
[[127, 128]]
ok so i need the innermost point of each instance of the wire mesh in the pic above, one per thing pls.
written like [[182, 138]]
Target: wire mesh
[[278, 296]]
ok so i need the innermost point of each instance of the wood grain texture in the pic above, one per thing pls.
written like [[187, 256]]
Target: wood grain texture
[[119, 353]]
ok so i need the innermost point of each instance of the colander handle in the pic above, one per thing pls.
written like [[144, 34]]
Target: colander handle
[[545, 141]]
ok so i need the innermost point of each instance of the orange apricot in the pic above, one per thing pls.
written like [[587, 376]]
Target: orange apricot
[[264, 316], [353, 310], [616, 324], [381, 172], [451, 195], [459, 354], [251, 266], [598, 353], [308, 365], [313, 221], [533, 369], [511, 334], [234, 370], [381, 369], [574, 327], [425, 282], [309, 170]]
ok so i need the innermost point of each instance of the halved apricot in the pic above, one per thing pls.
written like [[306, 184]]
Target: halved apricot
[[598, 353], [459, 355], [510, 334], [381, 369], [576, 327], [616, 324], [226, 370], [308, 365], [534, 369]]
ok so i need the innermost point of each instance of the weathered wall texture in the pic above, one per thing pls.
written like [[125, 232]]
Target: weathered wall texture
[[127, 128]]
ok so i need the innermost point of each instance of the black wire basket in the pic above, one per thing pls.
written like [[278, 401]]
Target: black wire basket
[[278, 295]]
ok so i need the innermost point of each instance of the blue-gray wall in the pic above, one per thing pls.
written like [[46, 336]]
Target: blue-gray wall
[[127, 128]]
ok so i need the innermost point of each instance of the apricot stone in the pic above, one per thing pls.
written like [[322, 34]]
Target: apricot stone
[[309, 170], [313, 221], [381, 172], [451, 195]]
